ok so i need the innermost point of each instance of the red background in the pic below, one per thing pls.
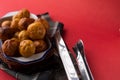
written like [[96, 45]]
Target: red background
[[96, 22]]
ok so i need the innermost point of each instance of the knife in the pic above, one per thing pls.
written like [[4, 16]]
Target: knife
[[56, 30], [82, 62], [65, 57]]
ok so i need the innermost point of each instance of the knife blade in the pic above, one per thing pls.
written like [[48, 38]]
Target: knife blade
[[82, 62], [65, 57], [56, 29]]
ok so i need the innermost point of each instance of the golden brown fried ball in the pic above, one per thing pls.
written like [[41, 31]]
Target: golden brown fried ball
[[16, 34], [24, 22], [17, 16], [27, 48], [21, 14], [23, 35], [25, 13], [6, 23], [40, 45], [36, 31], [13, 38], [44, 22], [14, 24], [10, 47], [6, 33]]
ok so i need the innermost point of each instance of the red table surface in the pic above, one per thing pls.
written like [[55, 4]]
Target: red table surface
[[96, 22]]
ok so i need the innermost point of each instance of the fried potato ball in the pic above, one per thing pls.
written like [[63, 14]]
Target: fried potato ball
[[23, 35], [10, 47], [25, 13], [36, 31], [6, 33], [21, 14], [14, 38], [16, 34], [14, 24], [44, 22], [40, 45], [24, 22], [6, 23], [27, 48]]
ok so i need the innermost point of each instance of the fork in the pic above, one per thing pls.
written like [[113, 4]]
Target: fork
[[82, 62]]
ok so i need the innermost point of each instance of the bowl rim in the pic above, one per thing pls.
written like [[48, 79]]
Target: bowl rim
[[15, 12]]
